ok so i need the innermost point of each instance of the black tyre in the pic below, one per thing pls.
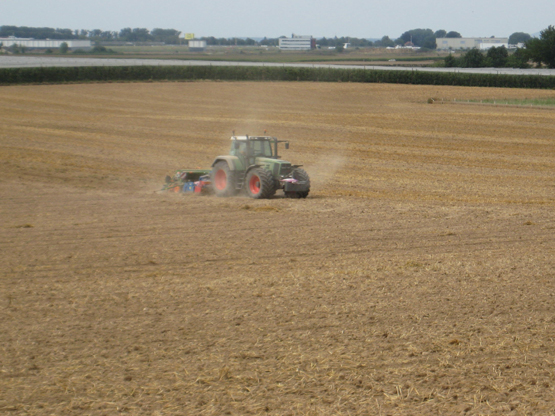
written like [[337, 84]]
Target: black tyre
[[260, 184], [302, 176], [223, 180]]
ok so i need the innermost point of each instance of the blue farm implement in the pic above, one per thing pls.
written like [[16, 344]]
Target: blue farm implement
[[188, 180]]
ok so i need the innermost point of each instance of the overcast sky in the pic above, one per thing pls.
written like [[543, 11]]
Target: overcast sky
[[246, 18]]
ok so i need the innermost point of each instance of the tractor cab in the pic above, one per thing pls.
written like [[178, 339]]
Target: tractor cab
[[249, 148]]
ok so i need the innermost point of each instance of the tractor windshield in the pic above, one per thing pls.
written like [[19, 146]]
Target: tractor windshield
[[262, 148], [238, 148]]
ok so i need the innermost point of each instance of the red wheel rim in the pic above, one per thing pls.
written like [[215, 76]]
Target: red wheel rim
[[254, 184], [220, 179]]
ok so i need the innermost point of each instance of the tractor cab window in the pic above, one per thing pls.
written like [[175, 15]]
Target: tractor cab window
[[262, 148], [241, 150]]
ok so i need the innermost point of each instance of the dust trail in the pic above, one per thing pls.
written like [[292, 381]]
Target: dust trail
[[324, 169]]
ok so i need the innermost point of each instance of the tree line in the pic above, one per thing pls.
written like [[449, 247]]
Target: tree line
[[495, 57], [170, 36]]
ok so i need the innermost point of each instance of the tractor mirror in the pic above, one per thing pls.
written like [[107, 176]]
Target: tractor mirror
[[287, 145]]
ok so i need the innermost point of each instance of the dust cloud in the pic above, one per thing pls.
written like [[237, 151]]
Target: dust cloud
[[325, 168]]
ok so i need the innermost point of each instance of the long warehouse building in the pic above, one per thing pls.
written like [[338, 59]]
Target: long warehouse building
[[44, 43], [471, 43]]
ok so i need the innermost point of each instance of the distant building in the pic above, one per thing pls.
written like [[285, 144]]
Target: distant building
[[31, 43], [197, 45], [471, 43], [487, 45], [297, 43], [408, 45]]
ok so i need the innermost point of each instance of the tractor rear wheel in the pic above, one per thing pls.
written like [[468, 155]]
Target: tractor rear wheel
[[302, 176], [260, 184], [223, 180]]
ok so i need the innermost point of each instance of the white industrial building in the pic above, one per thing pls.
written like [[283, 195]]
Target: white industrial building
[[197, 45], [297, 43], [31, 43], [471, 43], [486, 46]]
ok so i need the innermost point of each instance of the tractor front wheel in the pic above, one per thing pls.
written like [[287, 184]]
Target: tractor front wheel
[[223, 180], [260, 184]]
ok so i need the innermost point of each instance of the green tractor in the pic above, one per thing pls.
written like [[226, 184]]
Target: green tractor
[[254, 165]]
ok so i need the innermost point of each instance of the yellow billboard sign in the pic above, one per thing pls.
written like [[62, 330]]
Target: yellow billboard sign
[[189, 35]]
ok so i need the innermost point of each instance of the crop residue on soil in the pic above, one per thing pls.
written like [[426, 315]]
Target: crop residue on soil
[[417, 277]]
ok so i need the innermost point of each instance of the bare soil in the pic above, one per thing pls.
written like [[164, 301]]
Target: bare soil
[[417, 278]]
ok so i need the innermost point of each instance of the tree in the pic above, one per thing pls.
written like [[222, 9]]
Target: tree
[[36, 32], [170, 36], [424, 38], [108, 35], [519, 59], [135, 35], [385, 42], [270, 42], [451, 61], [542, 50], [141, 35], [125, 33], [519, 37], [95, 33], [64, 34], [473, 59], [210, 40], [64, 47], [324, 42], [15, 48], [453, 34], [358, 42], [497, 57], [440, 33]]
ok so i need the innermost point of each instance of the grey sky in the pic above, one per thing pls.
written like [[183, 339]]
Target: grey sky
[[220, 18]]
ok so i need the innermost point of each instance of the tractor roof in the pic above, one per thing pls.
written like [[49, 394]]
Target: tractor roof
[[252, 138]]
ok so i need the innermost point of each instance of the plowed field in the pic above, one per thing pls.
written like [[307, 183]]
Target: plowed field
[[417, 278]]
